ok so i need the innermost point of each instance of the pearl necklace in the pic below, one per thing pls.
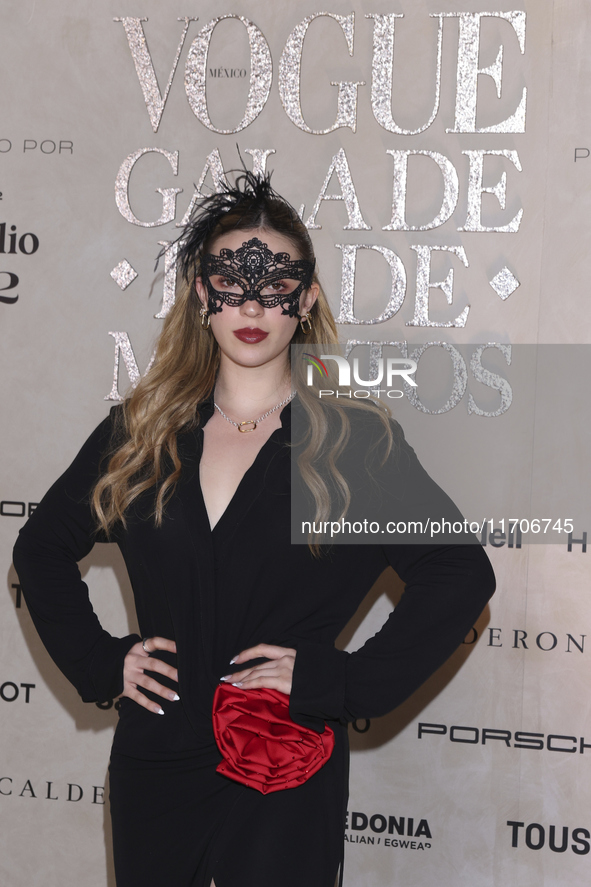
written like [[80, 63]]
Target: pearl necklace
[[253, 422]]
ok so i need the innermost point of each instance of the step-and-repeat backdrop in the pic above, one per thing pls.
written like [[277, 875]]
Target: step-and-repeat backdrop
[[441, 156]]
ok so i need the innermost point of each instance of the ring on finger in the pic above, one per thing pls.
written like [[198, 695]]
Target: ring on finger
[[144, 644]]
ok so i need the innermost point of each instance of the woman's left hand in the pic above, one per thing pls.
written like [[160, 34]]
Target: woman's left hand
[[275, 674]]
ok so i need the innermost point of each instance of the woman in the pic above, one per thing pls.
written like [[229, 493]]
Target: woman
[[191, 477]]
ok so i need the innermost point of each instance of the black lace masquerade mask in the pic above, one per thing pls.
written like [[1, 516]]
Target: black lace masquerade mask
[[252, 269]]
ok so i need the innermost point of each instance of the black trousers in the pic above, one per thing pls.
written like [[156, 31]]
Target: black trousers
[[178, 823]]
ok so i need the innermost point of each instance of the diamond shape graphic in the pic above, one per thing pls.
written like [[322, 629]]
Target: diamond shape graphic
[[504, 283], [123, 274]]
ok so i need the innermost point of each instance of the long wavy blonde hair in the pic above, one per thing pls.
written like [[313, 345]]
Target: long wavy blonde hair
[[166, 401]]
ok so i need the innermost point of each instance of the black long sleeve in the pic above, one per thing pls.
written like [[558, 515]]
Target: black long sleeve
[[447, 587], [59, 533], [446, 590]]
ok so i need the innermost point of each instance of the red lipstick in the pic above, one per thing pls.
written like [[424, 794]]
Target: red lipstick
[[251, 335]]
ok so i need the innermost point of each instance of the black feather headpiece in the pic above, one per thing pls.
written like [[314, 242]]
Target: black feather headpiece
[[248, 194]]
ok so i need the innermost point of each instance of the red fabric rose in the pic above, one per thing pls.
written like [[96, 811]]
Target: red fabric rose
[[262, 747]]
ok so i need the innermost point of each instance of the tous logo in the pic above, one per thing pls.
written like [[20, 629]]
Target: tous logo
[[558, 837]]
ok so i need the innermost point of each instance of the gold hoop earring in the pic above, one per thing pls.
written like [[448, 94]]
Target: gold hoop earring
[[204, 318], [306, 319]]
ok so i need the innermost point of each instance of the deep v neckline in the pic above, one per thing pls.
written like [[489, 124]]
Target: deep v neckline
[[244, 481], [247, 489]]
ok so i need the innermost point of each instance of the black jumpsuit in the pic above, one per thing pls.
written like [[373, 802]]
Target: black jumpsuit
[[176, 821]]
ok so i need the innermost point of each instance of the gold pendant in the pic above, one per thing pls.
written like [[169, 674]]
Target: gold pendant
[[247, 422]]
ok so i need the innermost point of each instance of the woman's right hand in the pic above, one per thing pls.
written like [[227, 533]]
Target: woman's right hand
[[135, 665]]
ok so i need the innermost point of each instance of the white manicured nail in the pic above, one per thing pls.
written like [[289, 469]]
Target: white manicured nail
[[233, 661], [237, 684], [176, 697], [159, 712]]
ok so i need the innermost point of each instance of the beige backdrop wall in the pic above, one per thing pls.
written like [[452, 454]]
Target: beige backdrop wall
[[113, 115]]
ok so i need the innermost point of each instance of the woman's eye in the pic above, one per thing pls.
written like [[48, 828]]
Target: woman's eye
[[278, 286], [225, 283]]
